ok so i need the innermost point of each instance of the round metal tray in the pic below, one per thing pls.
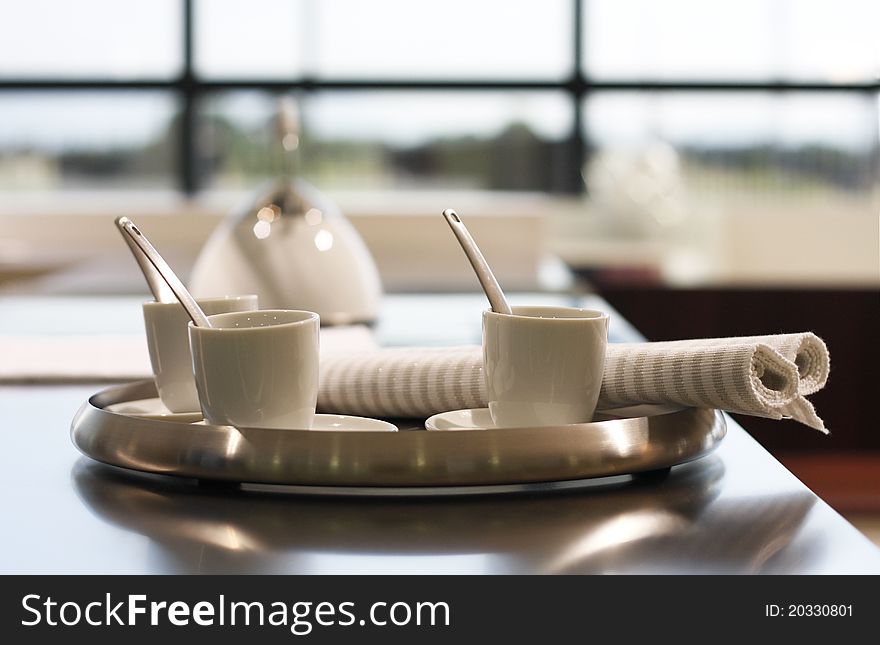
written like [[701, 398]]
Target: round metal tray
[[410, 461]]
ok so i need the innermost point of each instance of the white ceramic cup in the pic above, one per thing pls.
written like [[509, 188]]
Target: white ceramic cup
[[258, 369], [168, 342], [544, 365]]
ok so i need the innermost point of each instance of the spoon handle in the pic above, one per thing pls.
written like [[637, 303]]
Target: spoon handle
[[158, 287], [484, 274], [185, 297]]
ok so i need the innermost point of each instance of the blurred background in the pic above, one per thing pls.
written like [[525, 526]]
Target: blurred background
[[709, 168]]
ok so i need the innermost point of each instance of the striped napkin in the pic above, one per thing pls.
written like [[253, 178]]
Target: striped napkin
[[766, 376]]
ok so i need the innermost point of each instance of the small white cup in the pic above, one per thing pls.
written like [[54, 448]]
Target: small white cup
[[258, 369], [168, 342], [544, 365]]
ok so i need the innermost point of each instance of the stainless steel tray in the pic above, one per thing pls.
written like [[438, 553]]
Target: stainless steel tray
[[396, 463]]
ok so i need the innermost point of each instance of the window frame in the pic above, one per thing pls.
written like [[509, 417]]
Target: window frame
[[189, 90]]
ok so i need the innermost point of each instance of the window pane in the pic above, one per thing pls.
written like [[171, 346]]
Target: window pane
[[481, 140], [745, 40], [257, 38], [236, 139], [834, 40], [733, 150], [86, 140], [94, 38], [453, 38]]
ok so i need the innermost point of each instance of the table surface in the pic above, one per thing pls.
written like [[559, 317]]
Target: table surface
[[736, 511]]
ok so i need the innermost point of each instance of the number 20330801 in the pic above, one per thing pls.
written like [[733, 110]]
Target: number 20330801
[[807, 610]]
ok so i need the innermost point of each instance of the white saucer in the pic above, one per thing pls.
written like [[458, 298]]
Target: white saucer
[[339, 422], [470, 419], [153, 409], [351, 424], [480, 419]]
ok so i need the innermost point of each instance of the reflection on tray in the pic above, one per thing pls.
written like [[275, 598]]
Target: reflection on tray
[[639, 526]]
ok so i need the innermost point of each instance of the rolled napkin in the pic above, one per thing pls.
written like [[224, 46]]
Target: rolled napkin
[[765, 376]]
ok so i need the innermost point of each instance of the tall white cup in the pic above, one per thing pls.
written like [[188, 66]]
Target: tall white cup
[[544, 365], [168, 342], [258, 369]]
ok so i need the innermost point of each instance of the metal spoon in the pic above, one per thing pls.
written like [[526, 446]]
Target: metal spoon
[[161, 267], [484, 273]]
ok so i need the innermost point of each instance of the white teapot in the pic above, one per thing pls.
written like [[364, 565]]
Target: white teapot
[[293, 248]]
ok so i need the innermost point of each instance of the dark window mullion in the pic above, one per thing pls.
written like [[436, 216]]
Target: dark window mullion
[[577, 91], [569, 85], [188, 161]]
